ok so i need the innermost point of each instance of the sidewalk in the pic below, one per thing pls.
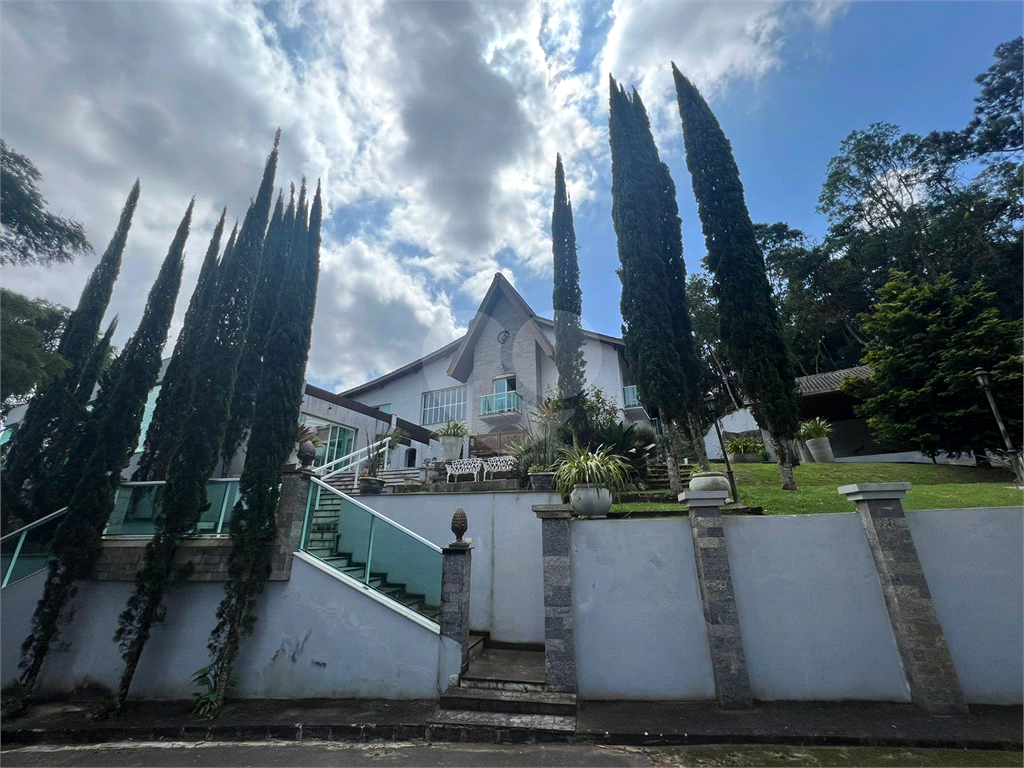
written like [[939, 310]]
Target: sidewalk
[[633, 723]]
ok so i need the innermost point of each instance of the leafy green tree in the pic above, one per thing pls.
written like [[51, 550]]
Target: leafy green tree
[[656, 322], [264, 303], [278, 401], [164, 431], [30, 234], [202, 431], [750, 328], [567, 300], [76, 342], [108, 438], [28, 356], [927, 337], [996, 133]]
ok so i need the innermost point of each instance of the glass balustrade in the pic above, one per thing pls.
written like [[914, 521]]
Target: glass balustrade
[[27, 551], [501, 402], [374, 550], [137, 504]]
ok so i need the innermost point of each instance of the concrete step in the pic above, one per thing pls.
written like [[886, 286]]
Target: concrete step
[[555, 724], [510, 702]]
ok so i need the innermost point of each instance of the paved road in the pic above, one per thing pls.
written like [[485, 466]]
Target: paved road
[[336, 755]]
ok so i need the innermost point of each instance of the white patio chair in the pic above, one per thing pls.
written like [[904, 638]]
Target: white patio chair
[[464, 467], [499, 464]]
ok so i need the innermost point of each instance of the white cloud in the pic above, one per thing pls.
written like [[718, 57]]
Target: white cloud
[[433, 126]]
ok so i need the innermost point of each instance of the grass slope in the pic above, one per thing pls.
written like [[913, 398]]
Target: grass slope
[[935, 487]]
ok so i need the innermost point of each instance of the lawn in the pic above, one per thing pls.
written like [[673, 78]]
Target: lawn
[[934, 487]]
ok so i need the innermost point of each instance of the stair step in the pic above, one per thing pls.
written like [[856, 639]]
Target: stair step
[[511, 702], [487, 683], [555, 723]]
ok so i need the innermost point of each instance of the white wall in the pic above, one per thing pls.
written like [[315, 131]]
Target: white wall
[[507, 580], [811, 609], [315, 637], [972, 560], [638, 616]]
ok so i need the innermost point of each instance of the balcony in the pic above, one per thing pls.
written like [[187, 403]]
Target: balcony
[[501, 403]]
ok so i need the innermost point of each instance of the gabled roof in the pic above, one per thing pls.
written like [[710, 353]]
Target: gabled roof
[[462, 365], [614, 341], [412, 367], [830, 381]]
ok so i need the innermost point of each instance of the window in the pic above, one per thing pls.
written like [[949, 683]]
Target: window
[[443, 405], [386, 407], [507, 384], [147, 416]]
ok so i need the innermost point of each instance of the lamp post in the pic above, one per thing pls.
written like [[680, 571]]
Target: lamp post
[[709, 401], [984, 380]]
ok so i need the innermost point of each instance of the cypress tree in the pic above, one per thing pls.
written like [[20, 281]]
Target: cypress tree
[[175, 392], [567, 300], [264, 302], [203, 425], [278, 400], [77, 341], [656, 321], [750, 327], [108, 438]]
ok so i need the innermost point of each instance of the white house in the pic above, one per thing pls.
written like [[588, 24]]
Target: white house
[[494, 376]]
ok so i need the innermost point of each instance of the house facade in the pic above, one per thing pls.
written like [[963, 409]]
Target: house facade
[[494, 377]]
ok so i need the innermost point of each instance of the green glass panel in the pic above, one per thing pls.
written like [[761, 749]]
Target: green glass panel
[[35, 550], [408, 563], [135, 507]]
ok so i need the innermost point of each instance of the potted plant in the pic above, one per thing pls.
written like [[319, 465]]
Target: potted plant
[[451, 436], [588, 479], [370, 481], [542, 477], [744, 450], [815, 433]]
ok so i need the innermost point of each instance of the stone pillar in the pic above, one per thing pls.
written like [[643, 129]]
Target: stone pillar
[[291, 514], [927, 663], [559, 626], [456, 565], [721, 620]]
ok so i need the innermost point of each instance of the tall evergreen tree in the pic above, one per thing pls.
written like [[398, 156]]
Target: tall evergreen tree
[[264, 302], [203, 424], [176, 391], [567, 300], [278, 400], [77, 341], [656, 321], [108, 439], [751, 331]]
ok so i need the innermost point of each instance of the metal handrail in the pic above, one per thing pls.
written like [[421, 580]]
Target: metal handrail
[[375, 513], [35, 523], [350, 458]]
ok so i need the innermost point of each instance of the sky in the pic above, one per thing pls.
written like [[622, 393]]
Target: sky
[[434, 129]]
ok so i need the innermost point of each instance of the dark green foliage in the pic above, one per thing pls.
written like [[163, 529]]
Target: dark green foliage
[[635, 444], [996, 133], [202, 430], [30, 234], [567, 301], [77, 341], [30, 330], [750, 328], [277, 403], [926, 339], [264, 303], [175, 393], [656, 321], [103, 446]]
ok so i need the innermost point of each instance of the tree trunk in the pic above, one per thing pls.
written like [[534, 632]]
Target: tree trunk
[[671, 457], [785, 461], [698, 443]]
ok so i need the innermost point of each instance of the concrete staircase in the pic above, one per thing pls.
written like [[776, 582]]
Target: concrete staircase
[[504, 688], [657, 475], [343, 481]]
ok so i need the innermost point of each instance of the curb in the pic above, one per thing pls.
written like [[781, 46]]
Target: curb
[[363, 732]]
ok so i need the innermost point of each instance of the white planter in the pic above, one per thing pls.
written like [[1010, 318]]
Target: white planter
[[450, 447], [590, 500], [805, 455], [710, 481], [821, 450]]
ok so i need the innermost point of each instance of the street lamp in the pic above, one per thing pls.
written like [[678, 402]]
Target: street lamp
[[984, 380], [709, 401]]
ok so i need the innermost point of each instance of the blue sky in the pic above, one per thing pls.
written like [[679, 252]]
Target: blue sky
[[434, 128]]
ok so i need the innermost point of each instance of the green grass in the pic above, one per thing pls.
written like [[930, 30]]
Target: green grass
[[935, 487]]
